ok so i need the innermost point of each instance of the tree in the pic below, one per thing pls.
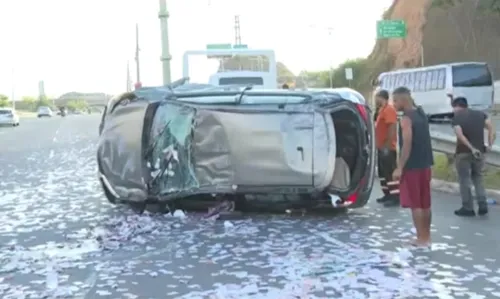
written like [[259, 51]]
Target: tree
[[75, 105], [43, 101], [359, 70], [488, 6], [316, 79], [28, 103], [4, 101]]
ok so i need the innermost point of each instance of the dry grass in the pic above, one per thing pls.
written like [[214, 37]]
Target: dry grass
[[443, 171]]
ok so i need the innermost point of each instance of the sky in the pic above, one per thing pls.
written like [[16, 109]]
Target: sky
[[84, 46]]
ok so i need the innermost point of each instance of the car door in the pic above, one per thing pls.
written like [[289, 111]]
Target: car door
[[269, 149]]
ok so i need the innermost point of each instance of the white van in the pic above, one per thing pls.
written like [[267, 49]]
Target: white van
[[258, 79], [430, 85]]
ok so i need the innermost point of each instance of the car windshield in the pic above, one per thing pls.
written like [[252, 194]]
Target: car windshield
[[5, 111], [44, 109]]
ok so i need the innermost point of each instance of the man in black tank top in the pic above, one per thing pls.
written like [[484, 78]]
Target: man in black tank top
[[414, 164], [469, 126]]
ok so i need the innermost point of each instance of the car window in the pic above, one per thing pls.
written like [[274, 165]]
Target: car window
[[471, 75], [5, 112], [241, 81]]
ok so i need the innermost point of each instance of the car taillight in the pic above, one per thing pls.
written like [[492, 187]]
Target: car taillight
[[352, 199], [362, 111]]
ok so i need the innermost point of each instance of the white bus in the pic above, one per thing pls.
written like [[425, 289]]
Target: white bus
[[259, 79], [430, 86]]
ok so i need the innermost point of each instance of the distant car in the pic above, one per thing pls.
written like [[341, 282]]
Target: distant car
[[44, 111], [314, 148], [9, 117]]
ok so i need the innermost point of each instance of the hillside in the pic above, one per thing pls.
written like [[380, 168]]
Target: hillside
[[446, 31]]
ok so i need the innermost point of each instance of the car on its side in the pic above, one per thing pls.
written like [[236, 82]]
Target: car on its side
[[189, 146], [44, 111], [9, 117]]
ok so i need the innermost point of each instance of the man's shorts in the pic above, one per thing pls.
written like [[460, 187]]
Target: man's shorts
[[415, 188]]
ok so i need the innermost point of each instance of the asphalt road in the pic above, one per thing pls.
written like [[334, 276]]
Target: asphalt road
[[59, 238]]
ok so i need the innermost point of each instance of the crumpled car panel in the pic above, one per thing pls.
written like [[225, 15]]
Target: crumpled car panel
[[120, 151]]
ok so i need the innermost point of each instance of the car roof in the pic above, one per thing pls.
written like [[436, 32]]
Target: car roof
[[6, 109]]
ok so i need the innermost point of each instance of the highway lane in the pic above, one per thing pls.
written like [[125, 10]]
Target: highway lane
[[60, 238]]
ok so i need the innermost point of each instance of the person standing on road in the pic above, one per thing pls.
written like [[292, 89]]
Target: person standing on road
[[414, 164], [386, 139], [469, 127]]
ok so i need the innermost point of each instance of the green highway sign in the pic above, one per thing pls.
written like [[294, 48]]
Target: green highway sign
[[391, 29], [219, 46], [240, 47], [225, 47]]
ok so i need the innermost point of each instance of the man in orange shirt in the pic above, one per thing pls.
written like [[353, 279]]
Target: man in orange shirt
[[386, 138]]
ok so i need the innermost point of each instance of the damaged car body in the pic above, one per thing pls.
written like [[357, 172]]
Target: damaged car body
[[188, 146]]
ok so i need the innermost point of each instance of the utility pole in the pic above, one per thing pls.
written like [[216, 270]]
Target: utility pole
[[237, 32], [237, 40], [165, 49], [138, 83]]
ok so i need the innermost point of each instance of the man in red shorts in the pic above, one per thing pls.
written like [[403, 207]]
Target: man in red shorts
[[414, 164]]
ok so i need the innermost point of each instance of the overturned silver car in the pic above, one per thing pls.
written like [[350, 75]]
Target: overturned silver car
[[188, 145]]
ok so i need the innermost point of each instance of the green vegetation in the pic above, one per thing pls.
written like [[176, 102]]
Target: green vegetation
[[361, 76], [77, 105], [4, 101], [487, 6], [28, 104], [444, 171]]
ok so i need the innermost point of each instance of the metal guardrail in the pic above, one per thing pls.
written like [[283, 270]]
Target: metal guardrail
[[446, 144]]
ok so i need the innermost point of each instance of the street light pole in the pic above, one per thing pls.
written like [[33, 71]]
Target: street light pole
[[331, 57], [13, 94], [165, 49]]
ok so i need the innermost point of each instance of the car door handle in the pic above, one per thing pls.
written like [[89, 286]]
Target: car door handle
[[302, 128], [301, 150]]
